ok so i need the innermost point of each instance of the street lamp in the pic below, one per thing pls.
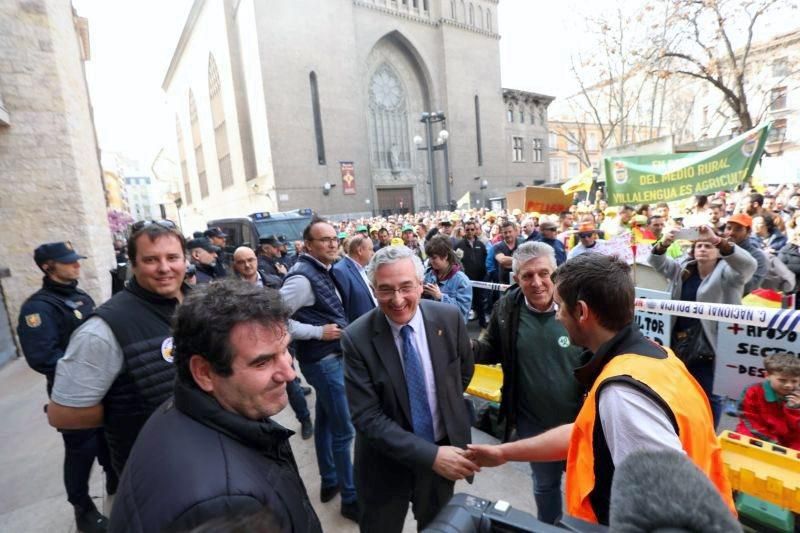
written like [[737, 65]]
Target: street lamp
[[429, 118]]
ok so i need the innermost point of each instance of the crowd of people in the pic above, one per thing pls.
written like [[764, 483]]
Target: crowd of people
[[172, 383]]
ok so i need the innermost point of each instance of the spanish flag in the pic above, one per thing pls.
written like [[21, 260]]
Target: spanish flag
[[581, 182], [763, 298]]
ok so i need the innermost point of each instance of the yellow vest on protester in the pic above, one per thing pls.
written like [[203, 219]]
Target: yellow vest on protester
[[669, 379]]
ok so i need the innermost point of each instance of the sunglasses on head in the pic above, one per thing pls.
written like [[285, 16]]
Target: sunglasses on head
[[585, 234], [138, 226]]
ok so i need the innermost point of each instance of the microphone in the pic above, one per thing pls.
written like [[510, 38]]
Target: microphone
[[665, 491]]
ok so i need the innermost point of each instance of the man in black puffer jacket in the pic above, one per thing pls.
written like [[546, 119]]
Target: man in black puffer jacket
[[212, 450]]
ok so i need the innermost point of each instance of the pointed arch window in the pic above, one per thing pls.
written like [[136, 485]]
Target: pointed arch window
[[479, 20], [218, 121], [315, 109], [390, 140], [463, 13], [197, 141], [184, 167], [471, 15], [488, 19], [453, 9], [478, 129]]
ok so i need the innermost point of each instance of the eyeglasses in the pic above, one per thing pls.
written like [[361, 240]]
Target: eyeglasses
[[167, 224], [384, 293], [585, 235], [327, 240]]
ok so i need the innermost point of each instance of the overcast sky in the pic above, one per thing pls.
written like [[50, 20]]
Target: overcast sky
[[132, 43]]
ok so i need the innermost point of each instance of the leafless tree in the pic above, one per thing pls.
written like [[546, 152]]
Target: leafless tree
[[712, 41]]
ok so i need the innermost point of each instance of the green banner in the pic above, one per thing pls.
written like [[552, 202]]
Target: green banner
[[663, 178]]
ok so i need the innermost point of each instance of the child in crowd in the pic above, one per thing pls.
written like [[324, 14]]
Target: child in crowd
[[770, 410]]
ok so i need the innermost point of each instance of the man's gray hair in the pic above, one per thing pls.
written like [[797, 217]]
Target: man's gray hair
[[391, 254], [532, 250]]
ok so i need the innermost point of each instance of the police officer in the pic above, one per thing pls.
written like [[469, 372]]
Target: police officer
[[46, 321], [219, 239]]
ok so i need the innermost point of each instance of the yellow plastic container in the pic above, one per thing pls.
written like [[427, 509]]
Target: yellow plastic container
[[762, 469], [486, 382]]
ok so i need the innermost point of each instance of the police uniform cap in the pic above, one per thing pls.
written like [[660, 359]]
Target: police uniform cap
[[214, 232], [203, 243], [60, 252], [270, 240]]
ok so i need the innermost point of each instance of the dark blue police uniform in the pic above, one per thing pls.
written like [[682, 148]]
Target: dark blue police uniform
[[46, 321]]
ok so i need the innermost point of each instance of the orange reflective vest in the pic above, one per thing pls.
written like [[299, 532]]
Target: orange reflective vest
[[670, 380]]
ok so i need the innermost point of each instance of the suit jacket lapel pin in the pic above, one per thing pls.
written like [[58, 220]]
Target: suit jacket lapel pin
[[440, 333]]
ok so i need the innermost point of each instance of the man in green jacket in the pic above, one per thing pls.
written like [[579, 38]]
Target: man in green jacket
[[539, 390]]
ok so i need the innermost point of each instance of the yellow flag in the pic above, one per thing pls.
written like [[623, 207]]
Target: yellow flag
[[581, 182], [757, 185]]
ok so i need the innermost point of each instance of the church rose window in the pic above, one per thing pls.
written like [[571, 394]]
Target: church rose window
[[389, 130]]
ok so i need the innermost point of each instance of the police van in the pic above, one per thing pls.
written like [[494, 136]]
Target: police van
[[247, 231]]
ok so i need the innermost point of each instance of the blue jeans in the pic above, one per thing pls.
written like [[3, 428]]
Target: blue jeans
[[703, 372], [333, 432], [297, 400], [546, 477]]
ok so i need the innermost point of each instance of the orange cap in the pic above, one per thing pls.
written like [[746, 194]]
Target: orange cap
[[742, 219]]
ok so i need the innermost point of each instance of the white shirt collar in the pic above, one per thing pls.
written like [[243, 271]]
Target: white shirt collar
[[416, 323], [356, 263], [533, 309]]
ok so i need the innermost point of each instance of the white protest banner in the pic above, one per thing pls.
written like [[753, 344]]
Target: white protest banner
[[740, 355], [655, 326]]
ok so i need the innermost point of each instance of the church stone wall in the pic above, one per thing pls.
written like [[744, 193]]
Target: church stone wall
[[50, 178]]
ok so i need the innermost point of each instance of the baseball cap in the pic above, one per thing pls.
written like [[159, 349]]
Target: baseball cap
[[343, 235], [516, 212], [203, 243], [742, 219], [586, 227], [362, 227], [60, 252], [397, 241], [408, 227], [214, 232]]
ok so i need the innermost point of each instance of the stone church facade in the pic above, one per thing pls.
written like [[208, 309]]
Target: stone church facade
[[272, 99]]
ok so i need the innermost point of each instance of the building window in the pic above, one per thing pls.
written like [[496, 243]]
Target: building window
[[479, 20], [184, 167], [522, 116], [488, 20], [218, 121], [778, 132], [572, 146], [390, 140], [463, 14], [199, 158], [591, 141], [453, 9], [471, 15], [777, 98], [556, 170], [478, 129], [538, 156], [573, 169], [320, 140], [533, 116], [517, 150], [552, 141], [780, 67], [510, 114]]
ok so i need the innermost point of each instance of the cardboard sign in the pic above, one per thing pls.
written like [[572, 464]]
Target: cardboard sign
[[655, 326], [740, 355], [543, 200]]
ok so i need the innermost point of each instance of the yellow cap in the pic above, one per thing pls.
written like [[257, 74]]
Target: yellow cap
[[397, 241]]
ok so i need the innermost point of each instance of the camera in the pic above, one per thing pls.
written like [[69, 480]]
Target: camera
[[465, 513]]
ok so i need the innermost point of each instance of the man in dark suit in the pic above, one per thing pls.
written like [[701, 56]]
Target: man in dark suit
[[407, 365], [357, 297]]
